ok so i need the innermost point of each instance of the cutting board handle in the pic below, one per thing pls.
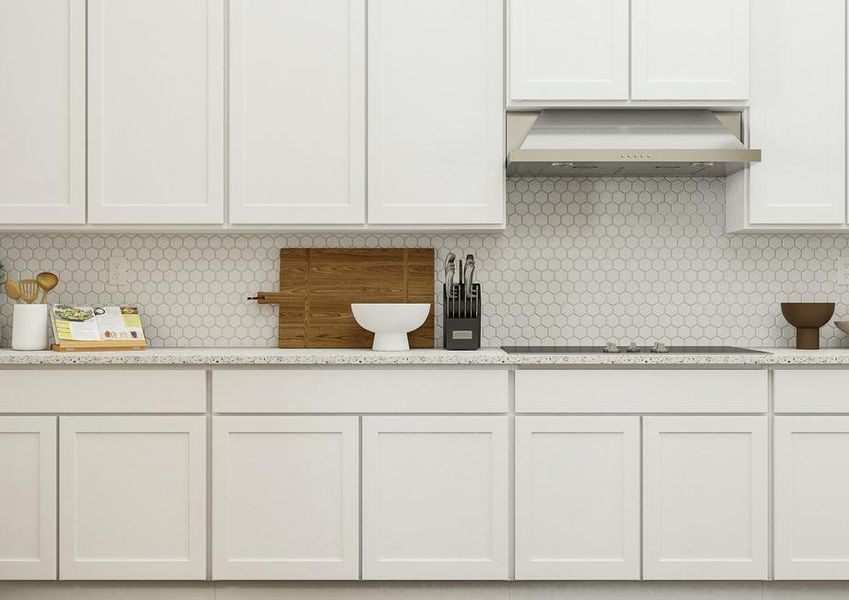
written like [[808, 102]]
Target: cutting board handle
[[269, 297]]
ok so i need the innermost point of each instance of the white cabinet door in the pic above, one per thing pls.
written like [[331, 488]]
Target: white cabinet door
[[155, 111], [569, 49], [811, 498], [42, 111], [798, 113], [436, 112], [297, 111], [27, 498], [690, 49], [285, 498], [132, 497], [705, 503], [577, 498], [434, 498]]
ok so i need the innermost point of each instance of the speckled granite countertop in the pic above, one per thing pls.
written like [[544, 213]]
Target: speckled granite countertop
[[484, 357]]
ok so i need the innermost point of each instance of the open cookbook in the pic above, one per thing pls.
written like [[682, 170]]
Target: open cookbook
[[97, 327]]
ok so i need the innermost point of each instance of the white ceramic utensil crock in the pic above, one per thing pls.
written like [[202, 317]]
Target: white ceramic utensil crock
[[29, 327]]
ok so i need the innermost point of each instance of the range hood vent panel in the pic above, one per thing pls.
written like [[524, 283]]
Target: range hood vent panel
[[628, 143]]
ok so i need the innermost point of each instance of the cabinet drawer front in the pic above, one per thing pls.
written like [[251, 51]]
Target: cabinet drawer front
[[811, 391], [653, 391], [360, 391], [103, 390]]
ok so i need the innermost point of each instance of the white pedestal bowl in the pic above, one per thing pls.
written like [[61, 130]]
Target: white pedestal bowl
[[390, 323]]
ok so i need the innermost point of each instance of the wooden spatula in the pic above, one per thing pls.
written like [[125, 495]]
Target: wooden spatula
[[29, 290]]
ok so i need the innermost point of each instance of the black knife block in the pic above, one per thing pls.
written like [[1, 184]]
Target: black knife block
[[461, 317]]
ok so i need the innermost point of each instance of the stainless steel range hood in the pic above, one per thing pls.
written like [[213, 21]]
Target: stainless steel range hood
[[626, 143]]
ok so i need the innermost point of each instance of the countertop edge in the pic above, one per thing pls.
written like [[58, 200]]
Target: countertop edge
[[223, 357]]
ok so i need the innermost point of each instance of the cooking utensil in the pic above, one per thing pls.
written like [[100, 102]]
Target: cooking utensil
[[29, 290], [13, 290], [842, 326], [46, 281], [449, 263], [470, 273], [449, 283]]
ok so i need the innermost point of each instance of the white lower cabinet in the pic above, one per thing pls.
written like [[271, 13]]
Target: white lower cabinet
[[705, 502], [27, 498], [811, 496], [285, 498], [578, 497], [132, 497], [435, 497]]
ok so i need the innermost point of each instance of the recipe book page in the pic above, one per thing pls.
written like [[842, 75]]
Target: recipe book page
[[96, 323]]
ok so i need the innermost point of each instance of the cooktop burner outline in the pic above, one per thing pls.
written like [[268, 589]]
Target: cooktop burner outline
[[628, 350]]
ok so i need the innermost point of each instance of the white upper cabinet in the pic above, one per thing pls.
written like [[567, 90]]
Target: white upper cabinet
[[297, 111], [705, 498], [578, 498], [28, 498], [42, 111], [811, 498], [155, 111], [436, 112], [690, 49], [798, 114], [569, 49]]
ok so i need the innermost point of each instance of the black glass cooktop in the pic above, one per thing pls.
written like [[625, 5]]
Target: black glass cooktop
[[627, 350]]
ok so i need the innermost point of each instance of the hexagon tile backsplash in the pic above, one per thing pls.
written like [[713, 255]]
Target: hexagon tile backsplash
[[582, 261]]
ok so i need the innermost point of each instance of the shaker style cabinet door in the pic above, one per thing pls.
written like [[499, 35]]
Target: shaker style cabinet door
[[577, 498], [297, 111], [705, 498], [798, 113], [285, 498], [42, 111], [27, 497], [811, 498], [569, 49], [156, 111], [436, 112], [689, 49], [435, 498], [132, 497]]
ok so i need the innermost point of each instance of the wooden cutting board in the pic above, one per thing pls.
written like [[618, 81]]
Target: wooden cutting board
[[318, 286]]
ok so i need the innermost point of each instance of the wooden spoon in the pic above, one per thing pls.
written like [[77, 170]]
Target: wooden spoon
[[46, 281], [29, 290], [13, 290]]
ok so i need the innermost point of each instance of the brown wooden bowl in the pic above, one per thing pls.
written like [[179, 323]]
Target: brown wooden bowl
[[807, 318]]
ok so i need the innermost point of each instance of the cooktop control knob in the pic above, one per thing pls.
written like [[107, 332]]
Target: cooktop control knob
[[611, 347], [632, 347], [660, 347]]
